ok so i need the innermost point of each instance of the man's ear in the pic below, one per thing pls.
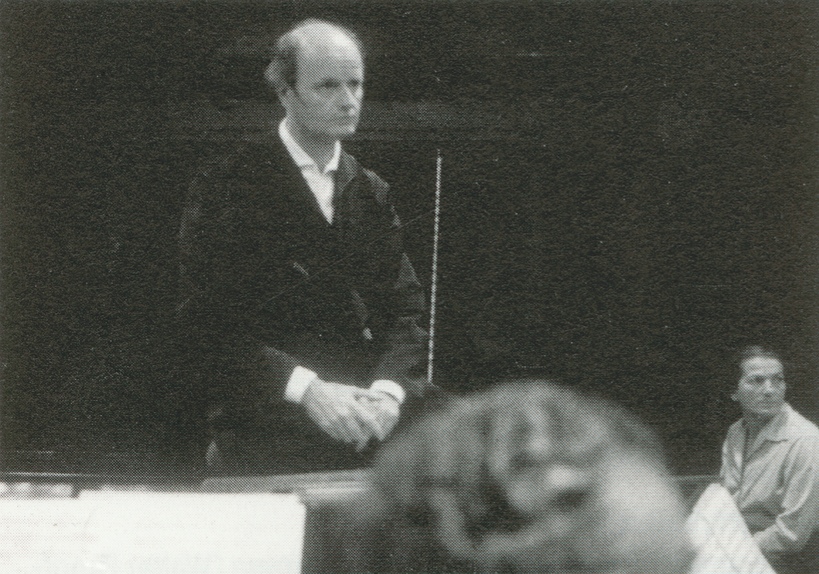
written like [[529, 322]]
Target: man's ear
[[286, 95]]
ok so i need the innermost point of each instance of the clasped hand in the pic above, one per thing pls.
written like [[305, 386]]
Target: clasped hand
[[351, 414]]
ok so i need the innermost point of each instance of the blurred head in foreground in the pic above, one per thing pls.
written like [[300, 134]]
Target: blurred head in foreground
[[529, 477]]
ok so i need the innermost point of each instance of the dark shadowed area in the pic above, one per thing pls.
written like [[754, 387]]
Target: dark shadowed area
[[629, 194]]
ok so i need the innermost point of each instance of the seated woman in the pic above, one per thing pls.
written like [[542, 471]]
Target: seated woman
[[527, 477], [770, 465]]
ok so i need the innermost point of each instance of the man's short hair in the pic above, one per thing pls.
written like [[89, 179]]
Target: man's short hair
[[282, 72], [528, 477]]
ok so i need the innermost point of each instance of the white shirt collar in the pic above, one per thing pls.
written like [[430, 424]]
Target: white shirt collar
[[301, 157]]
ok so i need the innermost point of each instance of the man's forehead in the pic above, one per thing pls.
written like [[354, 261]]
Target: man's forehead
[[761, 365], [324, 43]]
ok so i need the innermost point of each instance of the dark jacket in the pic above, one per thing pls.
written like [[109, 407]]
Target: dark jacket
[[268, 284]]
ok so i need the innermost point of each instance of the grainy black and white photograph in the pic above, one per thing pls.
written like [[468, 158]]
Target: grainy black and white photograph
[[409, 286]]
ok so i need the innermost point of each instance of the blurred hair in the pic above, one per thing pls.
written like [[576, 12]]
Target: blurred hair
[[528, 477], [282, 72]]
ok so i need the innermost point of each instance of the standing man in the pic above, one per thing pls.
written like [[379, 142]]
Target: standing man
[[770, 465], [301, 306]]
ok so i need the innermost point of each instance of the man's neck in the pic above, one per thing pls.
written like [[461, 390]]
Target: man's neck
[[320, 149]]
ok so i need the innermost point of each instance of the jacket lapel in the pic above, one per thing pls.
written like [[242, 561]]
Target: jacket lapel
[[346, 201], [345, 173], [290, 181]]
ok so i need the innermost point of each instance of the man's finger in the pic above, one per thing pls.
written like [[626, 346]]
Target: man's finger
[[367, 416], [320, 403], [324, 419], [354, 429], [386, 410]]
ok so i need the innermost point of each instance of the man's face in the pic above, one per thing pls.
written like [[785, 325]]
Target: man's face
[[325, 103], [761, 389]]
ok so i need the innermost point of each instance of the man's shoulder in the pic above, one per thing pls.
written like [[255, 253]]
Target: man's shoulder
[[245, 158]]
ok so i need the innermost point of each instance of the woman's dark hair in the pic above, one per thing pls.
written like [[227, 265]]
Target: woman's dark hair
[[753, 352]]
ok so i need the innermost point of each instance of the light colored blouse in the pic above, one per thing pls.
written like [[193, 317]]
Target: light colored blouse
[[775, 480]]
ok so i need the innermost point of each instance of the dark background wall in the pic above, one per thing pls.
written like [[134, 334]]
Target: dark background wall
[[629, 195]]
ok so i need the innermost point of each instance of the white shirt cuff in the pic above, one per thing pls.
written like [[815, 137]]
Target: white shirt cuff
[[391, 388], [297, 385]]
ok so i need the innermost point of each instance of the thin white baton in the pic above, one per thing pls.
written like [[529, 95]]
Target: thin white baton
[[434, 275]]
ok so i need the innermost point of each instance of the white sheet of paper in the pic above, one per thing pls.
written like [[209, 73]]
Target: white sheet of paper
[[41, 535], [153, 533], [723, 542]]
